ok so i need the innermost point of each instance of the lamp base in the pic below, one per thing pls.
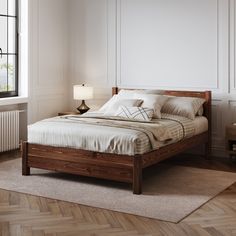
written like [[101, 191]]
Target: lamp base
[[83, 107]]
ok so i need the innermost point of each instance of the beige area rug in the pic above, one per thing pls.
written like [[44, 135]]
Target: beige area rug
[[170, 193]]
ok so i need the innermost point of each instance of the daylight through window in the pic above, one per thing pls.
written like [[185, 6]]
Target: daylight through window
[[8, 48]]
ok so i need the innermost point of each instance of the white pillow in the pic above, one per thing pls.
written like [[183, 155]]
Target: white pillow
[[109, 103], [152, 101], [111, 111], [125, 93], [183, 106], [136, 113]]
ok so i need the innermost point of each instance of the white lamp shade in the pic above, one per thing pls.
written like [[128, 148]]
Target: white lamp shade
[[83, 92]]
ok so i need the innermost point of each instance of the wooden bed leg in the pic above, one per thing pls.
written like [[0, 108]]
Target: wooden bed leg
[[25, 167], [207, 151], [137, 174]]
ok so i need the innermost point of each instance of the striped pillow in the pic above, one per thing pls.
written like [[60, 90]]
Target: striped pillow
[[183, 106], [136, 113], [152, 101]]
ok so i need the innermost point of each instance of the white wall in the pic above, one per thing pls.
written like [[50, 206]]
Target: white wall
[[184, 44], [48, 58], [169, 43], [88, 47]]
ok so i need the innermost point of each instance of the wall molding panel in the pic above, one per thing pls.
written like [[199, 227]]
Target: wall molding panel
[[48, 76], [129, 67]]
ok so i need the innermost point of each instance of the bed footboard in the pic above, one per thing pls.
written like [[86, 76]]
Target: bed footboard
[[115, 167]]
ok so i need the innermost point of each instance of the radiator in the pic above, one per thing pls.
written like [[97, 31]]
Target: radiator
[[9, 130]]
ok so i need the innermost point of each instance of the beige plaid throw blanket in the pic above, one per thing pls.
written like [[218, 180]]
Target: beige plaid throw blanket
[[158, 130]]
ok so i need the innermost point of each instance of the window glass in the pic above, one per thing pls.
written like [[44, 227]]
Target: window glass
[[3, 7], [11, 7], [3, 74], [11, 35], [3, 33], [11, 73], [8, 49]]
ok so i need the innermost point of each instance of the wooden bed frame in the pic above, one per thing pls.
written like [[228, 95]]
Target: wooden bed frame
[[121, 168]]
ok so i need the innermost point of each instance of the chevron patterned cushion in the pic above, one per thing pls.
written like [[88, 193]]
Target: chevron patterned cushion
[[137, 113]]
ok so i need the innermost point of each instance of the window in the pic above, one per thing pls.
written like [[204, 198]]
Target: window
[[8, 48]]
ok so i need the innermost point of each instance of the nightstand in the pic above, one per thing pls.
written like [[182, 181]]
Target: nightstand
[[230, 137], [68, 113]]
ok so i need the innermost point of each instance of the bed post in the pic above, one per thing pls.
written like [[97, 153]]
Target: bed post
[[137, 174], [115, 90], [25, 167]]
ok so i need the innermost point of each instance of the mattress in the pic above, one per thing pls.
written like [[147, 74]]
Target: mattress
[[70, 132]]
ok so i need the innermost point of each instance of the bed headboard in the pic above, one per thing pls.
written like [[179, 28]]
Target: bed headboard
[[200, 94]]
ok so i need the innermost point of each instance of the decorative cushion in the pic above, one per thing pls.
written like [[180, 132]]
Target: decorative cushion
[[112, 109], [109, 103], [152, 101], [183, 106], [137, 113]]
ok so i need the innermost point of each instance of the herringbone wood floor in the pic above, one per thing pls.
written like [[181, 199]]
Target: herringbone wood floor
[[22, 214]]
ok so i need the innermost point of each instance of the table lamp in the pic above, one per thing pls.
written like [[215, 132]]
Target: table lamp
[[82, 92]]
